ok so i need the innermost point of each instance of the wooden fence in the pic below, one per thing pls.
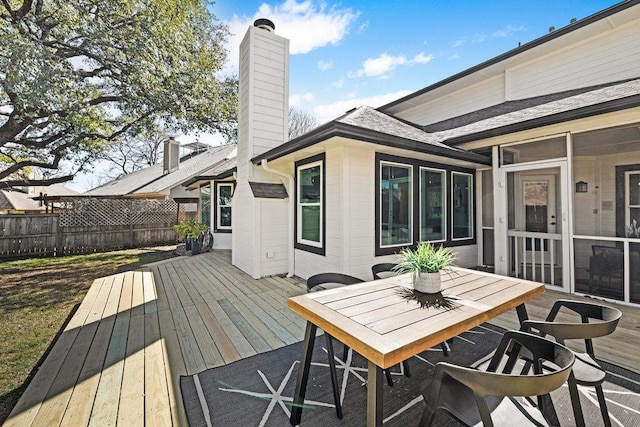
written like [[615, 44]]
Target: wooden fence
[[88, 225]]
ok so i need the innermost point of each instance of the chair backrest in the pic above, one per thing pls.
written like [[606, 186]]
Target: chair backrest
[[492, 382], [382, 268], [325, 278], [595, 320]]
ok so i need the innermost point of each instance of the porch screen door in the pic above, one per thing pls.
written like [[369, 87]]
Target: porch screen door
[[535, 227]]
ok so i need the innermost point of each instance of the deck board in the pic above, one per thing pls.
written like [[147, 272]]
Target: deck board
[[120, 357]]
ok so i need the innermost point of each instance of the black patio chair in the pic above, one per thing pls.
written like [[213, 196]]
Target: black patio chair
[[320, 282], [595, 320], [472, 395]]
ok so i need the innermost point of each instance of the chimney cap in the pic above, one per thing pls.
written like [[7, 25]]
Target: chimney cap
[[265, 24]]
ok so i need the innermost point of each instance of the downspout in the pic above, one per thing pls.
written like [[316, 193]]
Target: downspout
[[290, 247]]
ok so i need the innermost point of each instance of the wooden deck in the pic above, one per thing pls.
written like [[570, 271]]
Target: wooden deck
[[120, 358]]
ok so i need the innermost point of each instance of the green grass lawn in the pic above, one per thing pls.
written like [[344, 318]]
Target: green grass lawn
[[36, 298]]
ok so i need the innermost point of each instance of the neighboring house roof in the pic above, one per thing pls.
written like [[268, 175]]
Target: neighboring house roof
[[369, 125], [20, 200], [152, 180]]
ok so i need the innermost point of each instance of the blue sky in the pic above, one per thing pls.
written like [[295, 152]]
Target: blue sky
[[368, 52]]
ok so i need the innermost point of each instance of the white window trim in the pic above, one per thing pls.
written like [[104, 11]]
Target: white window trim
[[627, 195], [300, 205]]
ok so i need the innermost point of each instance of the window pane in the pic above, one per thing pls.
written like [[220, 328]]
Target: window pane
[[634, 189], [205, 205], [395, 227], [225, 194], [310, 223], [462, 218], [310, 185], [432, 224], [225, 216]]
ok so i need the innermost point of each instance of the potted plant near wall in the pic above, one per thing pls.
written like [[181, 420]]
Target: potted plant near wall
[[425, 263], [189, 231]]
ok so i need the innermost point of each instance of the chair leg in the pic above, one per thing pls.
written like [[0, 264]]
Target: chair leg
[[345, 352], [445, 348], [603, 406], [389, 379], [575, 401], [334, 375]]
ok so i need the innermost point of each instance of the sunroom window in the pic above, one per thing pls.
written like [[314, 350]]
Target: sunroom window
[[310, 204], [396, 194], [632, 211]]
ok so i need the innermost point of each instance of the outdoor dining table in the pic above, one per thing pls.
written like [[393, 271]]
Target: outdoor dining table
[[387, 326]]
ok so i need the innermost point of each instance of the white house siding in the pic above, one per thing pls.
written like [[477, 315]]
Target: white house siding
[[243, 220], [451, 104], [272, 223], [584, 169], [610, 56], [606, 181], [222, 241]]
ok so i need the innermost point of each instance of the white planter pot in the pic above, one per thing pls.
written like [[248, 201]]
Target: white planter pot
[[428, 283]]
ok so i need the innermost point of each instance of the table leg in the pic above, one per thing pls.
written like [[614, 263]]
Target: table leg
[[522, 313], [303, 373], [374, 395]]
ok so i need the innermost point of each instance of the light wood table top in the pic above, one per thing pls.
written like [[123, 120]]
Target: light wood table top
[[385, 328]]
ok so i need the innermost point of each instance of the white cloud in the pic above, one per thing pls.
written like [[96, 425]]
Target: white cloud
[[325, 65], [479, 38], [327, 112], [508, 30], [297, 100], [384, 63], [380, 66], [421, 58], [307, 26], [458, 43]]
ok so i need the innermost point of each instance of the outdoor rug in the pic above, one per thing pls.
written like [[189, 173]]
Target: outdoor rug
[[258, 391]]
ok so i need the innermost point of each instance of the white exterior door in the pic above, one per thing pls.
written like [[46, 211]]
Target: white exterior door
[[533, 219]]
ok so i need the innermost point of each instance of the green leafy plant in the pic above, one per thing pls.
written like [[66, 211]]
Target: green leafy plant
[[189, 229], [425, 258], [632, 230]]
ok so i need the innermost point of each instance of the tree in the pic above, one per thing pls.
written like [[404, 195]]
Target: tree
[[300, 122], [77, 75], [134, 152]]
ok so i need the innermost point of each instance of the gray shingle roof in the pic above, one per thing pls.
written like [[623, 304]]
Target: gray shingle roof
[[521, 111], [152, 180]]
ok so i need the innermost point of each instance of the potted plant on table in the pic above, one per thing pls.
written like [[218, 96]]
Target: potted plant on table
[[425, 263]]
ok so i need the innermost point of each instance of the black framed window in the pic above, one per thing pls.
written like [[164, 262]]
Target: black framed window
[[420, 201], [223, 197], [310, 204]]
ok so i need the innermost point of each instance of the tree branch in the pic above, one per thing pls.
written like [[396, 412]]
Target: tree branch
[[35, 182]]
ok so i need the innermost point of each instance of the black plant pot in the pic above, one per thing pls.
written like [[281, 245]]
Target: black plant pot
[[187, 245], [195, 247]]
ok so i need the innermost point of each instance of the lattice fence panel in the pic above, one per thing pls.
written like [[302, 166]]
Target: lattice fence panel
[[95, 212]]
